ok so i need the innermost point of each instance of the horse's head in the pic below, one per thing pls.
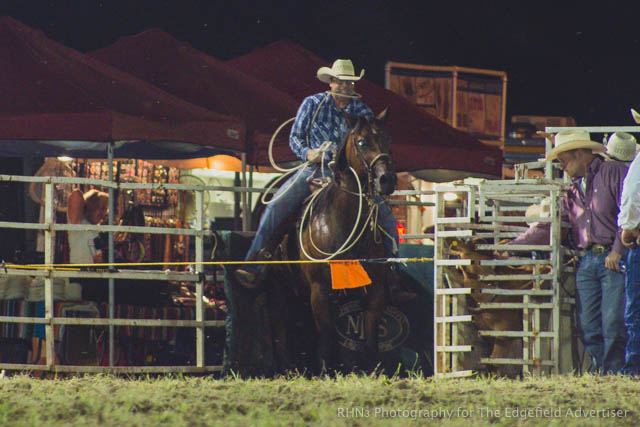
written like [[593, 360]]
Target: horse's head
[[366, 150]]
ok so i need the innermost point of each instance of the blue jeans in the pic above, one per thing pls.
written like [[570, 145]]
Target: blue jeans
[[600, 305], [632, 313], [280, 210]]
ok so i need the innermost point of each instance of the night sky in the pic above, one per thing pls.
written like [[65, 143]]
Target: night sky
[[561, 58]]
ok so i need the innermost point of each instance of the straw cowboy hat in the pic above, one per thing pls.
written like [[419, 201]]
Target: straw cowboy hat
[[621, 146], [341, 69], [567, 140], [540, 210]]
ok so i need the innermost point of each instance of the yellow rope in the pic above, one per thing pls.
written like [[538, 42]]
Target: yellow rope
[[75, 267]]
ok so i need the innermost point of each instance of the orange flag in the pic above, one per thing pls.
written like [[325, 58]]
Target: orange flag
[[348, 275]]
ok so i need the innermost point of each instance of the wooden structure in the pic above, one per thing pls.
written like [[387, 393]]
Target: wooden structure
[[470, 99]]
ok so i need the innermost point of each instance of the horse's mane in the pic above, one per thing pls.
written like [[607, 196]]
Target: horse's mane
[[342, 165], [341, 168]]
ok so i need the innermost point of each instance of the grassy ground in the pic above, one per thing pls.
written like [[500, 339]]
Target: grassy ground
[[345, 400]]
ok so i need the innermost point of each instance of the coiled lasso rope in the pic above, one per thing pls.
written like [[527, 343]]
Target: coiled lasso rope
[[327, 145]]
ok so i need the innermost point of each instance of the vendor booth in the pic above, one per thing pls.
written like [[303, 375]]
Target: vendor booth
[[58, 102]]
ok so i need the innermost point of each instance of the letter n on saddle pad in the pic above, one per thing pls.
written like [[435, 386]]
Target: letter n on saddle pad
[[348, 275]]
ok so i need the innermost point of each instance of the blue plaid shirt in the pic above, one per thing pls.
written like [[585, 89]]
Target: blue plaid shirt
[[329, 125]]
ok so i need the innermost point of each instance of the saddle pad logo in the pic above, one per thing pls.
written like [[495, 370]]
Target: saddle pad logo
[[393, 328]]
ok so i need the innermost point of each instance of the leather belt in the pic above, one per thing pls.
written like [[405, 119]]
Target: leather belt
[[595, 249]]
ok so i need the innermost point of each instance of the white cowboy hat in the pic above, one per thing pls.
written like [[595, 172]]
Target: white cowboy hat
[[540, 210], [567, 140], [621, 146], [341, 69]]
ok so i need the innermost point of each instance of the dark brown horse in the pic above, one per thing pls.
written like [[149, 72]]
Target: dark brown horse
[[363, 166]]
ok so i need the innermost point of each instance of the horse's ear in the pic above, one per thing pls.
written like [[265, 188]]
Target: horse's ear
[[382, 117]]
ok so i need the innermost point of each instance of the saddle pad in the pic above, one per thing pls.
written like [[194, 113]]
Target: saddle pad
[[348, 275]]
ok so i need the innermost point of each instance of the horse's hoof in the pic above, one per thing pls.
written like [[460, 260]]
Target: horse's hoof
[[246, 278]]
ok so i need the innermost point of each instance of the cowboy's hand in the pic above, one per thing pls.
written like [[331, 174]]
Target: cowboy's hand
[[612, 261], [630, 238], [314, 155]]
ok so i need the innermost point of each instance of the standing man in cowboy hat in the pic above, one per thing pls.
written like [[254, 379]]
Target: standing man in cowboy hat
[[320, 118], [621, 146], [591, 207], [628, 221]]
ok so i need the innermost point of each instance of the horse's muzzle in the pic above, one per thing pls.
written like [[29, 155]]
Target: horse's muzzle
[[385, 178]]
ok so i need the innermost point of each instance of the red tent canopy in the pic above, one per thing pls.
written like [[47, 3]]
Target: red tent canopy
[[53, 93], [421, 143], [177, 68]]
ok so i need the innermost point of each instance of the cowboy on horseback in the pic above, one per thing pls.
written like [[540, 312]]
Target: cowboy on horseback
[[320, 118]]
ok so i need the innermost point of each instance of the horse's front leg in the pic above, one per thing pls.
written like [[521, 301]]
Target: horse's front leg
[[324, 317], [373, 308]]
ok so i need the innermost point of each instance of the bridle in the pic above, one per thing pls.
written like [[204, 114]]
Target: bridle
[[371, 216], [368, 166]]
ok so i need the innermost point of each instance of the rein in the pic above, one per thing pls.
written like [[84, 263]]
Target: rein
[[372, 215]]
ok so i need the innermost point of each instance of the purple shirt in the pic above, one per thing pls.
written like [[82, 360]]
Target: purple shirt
[[593, 216]]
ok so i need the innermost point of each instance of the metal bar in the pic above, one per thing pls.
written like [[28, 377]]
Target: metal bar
[[438, 283], [111, 369], [514, 219], [451, 69], [515, 247], [535, 292], [200, 268], [127, 274], [452, 220], [556, 261], [595, 129], [120, 274], [457, 374], [410, 203], [115, 322], [101, 228], [453, 291], [418, 236], [111, 281], [440, 262], [515, 334], [16, 319], [135, 322], [133, 229], [413, 192], [509, 277], [455, 233], [455, 348], [511, 305], [499, 235], [490, 227], [48, 281], [505, 361], [526, 342], [451, 319], [527, 261], [243, 197]]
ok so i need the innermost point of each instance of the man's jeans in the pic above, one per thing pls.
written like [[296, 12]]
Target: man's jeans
[[280, 210], [632, 313], [600, 304]]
